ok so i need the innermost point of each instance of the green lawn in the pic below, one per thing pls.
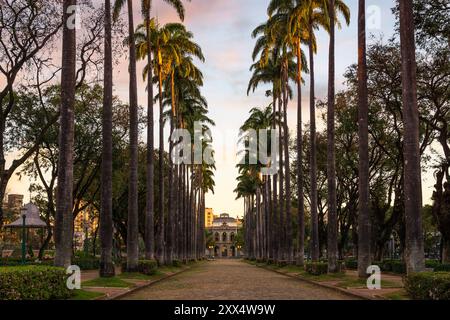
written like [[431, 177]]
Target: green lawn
[[352, 282], [139, 276], [86, 295], [114, 282], [397, 295]]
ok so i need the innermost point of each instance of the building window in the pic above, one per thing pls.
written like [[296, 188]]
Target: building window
[[232, 237], [216, 237], [224, 237]]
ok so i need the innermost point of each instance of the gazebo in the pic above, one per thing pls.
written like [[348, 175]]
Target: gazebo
[[30, 219]]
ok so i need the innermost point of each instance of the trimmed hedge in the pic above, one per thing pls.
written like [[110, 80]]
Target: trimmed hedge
[[442, 267], [351, 264], [282, 263], [394, 266], [147, 267], [428, 285], [316, 268], [432, 263], [33, 283], [16, 262], [87, 263], [177, 263]]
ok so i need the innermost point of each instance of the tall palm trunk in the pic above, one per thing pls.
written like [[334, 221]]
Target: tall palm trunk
[[313, 154], [171, 204], [274, 225], [150, 196], [332, 245], [300, 199], [183, 211], [64, 197], [364, 224], [133, 232], [161, 236], [288, 239], [106, 223], [258, 222], [414, 251], [281, 225]]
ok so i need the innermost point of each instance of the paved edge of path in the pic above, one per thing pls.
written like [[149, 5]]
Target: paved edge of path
[[322, 285]]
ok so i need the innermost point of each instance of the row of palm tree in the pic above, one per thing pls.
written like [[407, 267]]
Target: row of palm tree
[[279, 60], [179, 221]]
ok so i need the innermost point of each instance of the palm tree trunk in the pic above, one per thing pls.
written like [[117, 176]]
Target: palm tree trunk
[[332, 245], [106, 223], [171, 204], [300, 199], [161, 235], [150, 196], [313, 161], [274, 226], [258, 222], [414, 251], [288, 241], [133, 232], [364, 225], [281, 225], [64, 197]]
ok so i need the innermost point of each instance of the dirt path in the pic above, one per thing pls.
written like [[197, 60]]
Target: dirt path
[[233, 280]]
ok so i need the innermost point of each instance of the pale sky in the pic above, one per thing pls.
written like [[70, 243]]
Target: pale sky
[[223, 28]]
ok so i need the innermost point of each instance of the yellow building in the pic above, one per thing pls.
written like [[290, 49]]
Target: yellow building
[[209, 217]]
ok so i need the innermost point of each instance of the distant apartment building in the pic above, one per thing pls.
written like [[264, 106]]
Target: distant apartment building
[[11, 206], [209, 217], [15, 201]]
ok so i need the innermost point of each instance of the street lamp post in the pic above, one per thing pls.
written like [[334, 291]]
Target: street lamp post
[[210, 251]]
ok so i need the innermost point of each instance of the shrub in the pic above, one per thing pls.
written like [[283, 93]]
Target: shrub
[[351, 264], [432, 263], [282, 263], [428, 285], [394, 266], [316, 268], [442, 267], [87, 262], [16, 262], [33, 283], [147, 267], [177, 263]]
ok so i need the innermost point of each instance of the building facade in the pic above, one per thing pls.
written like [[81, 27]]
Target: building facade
[[224, 230]]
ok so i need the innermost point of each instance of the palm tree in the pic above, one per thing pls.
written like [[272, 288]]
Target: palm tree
[[332, 234], [269, 73], [64, 218], [364, 224], [314, 13], [174, 49], [274, 43], [259, 119], [414, 251], [149, 217], [132, 223], [106, 223]]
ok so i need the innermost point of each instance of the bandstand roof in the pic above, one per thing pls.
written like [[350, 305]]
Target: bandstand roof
[[32, 218]]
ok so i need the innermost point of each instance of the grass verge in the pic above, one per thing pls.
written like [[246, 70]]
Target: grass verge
[[86, 295], [114, 282]]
